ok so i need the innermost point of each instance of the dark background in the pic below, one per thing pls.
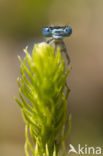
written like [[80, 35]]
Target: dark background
[[21, 24]]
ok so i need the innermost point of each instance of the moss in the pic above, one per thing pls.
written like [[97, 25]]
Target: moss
[[42, 101]]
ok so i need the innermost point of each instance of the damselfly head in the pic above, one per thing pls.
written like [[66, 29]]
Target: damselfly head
[[57, 32]]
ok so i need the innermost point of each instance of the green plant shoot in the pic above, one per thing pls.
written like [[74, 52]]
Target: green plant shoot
[[43, 101]]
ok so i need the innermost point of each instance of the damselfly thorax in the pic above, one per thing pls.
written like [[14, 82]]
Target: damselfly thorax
[[59, 43]]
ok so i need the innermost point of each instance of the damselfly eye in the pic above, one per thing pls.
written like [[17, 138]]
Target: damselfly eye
[[47, 32], [48, 29], [66, 29]]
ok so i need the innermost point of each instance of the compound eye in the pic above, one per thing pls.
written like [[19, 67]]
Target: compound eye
[[47, 32], [48, 29], [66, 29]]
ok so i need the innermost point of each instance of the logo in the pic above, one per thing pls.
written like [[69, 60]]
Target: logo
[[85, 150]]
